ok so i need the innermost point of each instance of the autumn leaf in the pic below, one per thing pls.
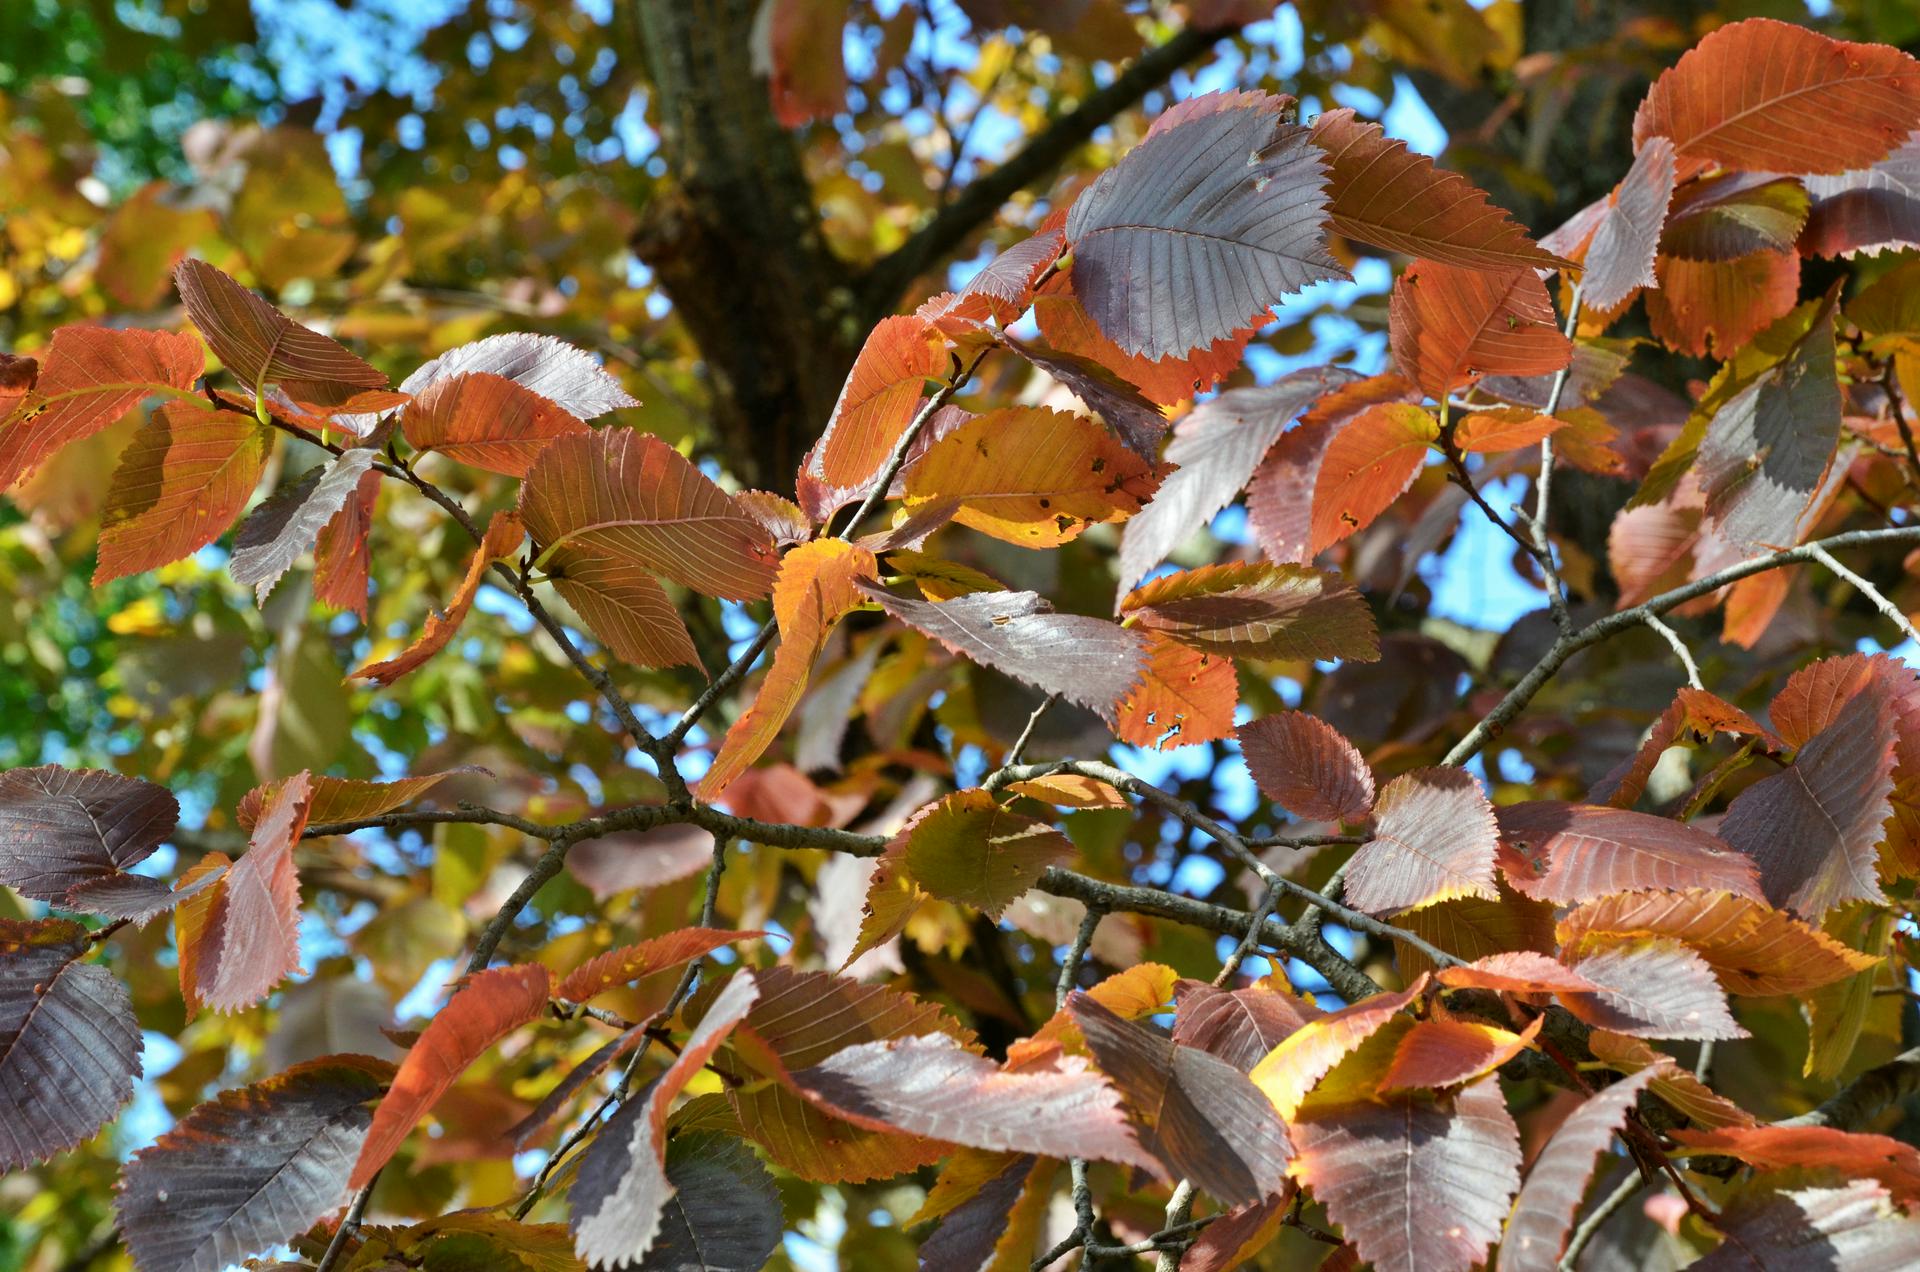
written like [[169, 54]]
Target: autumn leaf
[[1652, 988], [1693, 711], [1735, 214], [1136, 421], [1544, 1211], [881, 395], [1620, 259], [180, 484], [1568, 853], [486, 420], [346, 799], [1367, 465], [260, 345], [1503, 429], [485, 1008], [72, 1047], [1771, 96], [88, 378], [1303, 764], [1256, 609], [1433, 839], [569, 377], [629, 963], [967, 849], [1451, 325], [1436, 1054], [1718, 306], [1230, 201], [62, 827], [250, 1170], [1031, 476], [724, 1212], [1853, 1225], [1069, 329], [1240, 1025], [286, 525], [502, 538], [817, 585], [1866, 211], [1280, 503], [1185, 696], [244, 931], [1292, 1069], [343, 557], [1892, 1164], [1474, 927]]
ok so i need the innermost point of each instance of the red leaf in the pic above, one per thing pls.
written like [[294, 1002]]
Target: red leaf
[[1436, 1054], [72, 1046], [1003, 289], [879, 400], [1568, 853], [1240, 1026], [1771, 96], [1280, 502], [1516, 972], [1416, 1184], [485, 420], [502, 538], [1230, 202], [247, 937], [934, 1088], [1433, 839], [818, 583], [1892, 1164], [1164, 381], [1450, 325], [260, 345], [1813, 830], [622, 1190], [1652, 989], [1256, 609], [1292, 1069], [1543, 1213], [1382, 193], [1303, 764], [89, 377], [630, 963], [1196, 1112], [1367, 465], [485, 1008], [342, 556], [1720, 305], [179, 485], [1868, 210], [1692, 711], [288, 523]]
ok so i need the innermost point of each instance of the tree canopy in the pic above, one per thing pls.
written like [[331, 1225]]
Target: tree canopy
[[984, 635]]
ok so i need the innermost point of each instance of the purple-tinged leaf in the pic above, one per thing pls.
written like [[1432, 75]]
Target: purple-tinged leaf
[[288, 524], [62, 827], [723, 1215], [1543, 1213], [1433, 839], [556, 370], [1568, 853], [1620, 259], [1868, 210], [1655, 988], [1854, 1226], [1240, 1026]]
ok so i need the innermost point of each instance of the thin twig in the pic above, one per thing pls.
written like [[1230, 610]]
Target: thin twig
[[1868, 590], [1543, 487], [1679, 648], [1894, 405], [349, 1224], [1601, 1213], [1019, 746]]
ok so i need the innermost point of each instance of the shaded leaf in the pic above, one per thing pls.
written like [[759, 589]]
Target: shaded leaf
[[879, 399], [486, 1007], [1753, 948], [822, 1148], [630, 612], [287, 524], [1196, 1112], [801, 1018], [1136, 421], [1003, 287], [502, 538], [1567, 853], [61, 827], [1367, 465], [87, 378], [485, 420], [1433, 839], [1693, 711], [1256, 609], [1735, 214], [1677, 1087], [1720, 305], [1084, 660], [934, 1088], [1304, 765], [1812, 830], [1474, 927], [1156, 382], [243, 934], [724, 1214], [967, 849], [1868, 210], [1851, 1226], [1450, 325], [342, 557], [259, 345], [1544, 1211], [1486, 432], [1031, 476], [571, 378], [1382, 193], [817, 584], [1237, 1236], [1200, 228], [1771, 96], [998, 1225], [1620, 259], [69, 1046], [1280, 502], [1890, 1163], [250, 1170], [180, 484], [1240, 1026], [1414, 1183], [621, 1197], [1217, 447], [634, 501]]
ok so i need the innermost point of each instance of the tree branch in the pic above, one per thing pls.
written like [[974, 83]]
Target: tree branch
[[1856, 1103], [977, 204]]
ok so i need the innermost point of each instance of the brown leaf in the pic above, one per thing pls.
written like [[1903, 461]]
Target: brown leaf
[[89, 377], [485, 420], [260, 345], [1433, 839], [1303, 764], [503, 537]]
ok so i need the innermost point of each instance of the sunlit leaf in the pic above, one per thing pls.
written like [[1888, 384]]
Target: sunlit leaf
[[881, 395], [287, 525], [1620, 259], [1185, 696], [1433, 839], [1869, 210], [571, 378], [1367, 465], [486, 420], [1652, 988], [259, 345], [87, 378], [1292, 1069], [1544, 1211], [185, 477], [629, 963], [502, 538], [1451, 325], [1304, 765], [1851, 1226], [245, 931], [1568, 853], [1256, 609]]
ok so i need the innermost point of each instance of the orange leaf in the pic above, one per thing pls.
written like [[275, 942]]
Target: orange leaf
[[88, 378], [341, 799], [1258, 609], [814, 589], [1185, 695], [180, 484], [485, 420], [1369, 463], [1449, 325], [1505, 429], [503, 536], [1295, 1067], [1443, 1053], [1894, 1164], [631, 962], [1771, 96], [1031, 476], [1068, 327], [880, 397], [1720, 305], [486, 1008]]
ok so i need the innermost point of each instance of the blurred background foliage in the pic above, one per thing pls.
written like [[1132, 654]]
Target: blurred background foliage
[[410, 175]]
